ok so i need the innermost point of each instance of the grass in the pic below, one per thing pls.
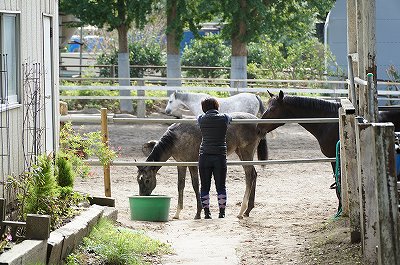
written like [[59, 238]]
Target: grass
[[110, 244]]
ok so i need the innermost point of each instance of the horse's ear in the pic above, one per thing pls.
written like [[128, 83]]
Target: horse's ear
[[270, 94], [148, 147], [281, 95]]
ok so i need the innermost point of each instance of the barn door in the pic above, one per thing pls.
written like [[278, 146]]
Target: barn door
[[48, 82]]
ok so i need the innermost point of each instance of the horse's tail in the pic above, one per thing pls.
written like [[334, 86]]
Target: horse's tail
[[262, 109], [262, 149]]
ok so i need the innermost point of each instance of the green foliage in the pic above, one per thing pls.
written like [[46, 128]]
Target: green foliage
[[43, 189], [37, 192], [65, 173], [79, 104], [207, 51], [112, 245], [140, 53], [112, 105], [265, 60], [77, 146], [306, 59], [109, 14], [283, 21]]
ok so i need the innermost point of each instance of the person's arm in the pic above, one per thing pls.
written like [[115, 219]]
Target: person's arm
[[199, 117], [228, 118]]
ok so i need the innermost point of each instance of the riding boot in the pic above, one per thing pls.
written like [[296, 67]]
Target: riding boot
[[221, 213], [207, 214]]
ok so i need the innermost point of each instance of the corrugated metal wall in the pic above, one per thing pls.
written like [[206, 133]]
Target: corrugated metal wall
[[387, 34]]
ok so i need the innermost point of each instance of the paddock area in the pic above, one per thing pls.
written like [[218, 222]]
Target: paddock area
[[293, 201]]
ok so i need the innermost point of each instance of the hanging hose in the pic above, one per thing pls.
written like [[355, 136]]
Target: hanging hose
[[338, 180]]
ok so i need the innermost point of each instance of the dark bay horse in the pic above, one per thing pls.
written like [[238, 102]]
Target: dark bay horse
[[327, 134], [182, 142]]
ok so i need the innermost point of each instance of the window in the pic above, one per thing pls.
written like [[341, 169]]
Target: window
[[9, 61]]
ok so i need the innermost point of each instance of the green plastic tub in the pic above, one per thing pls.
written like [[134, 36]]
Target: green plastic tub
[[150, 208]]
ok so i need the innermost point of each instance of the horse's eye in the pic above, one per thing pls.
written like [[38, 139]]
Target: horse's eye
[[146, 181]]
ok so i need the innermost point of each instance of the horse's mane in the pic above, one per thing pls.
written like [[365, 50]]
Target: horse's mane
[[164, 144], [312, 103]]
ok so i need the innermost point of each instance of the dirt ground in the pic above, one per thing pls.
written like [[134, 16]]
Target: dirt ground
[[292, 222]]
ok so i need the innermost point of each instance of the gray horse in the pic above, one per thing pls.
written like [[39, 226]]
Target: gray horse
[[242, 102], [182, 142]]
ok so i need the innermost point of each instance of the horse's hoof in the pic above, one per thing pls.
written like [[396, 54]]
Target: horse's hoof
[[246, 214], [240, 216], [197, 216], [175, 217]]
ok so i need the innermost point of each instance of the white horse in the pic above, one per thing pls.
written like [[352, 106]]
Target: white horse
[[243, 102]]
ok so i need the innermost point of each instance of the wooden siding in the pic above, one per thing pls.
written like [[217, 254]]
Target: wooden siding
[[31, 52]]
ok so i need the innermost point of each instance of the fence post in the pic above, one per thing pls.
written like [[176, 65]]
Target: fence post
[[348, 157], [387, 197], [37, 226], [106, 168], [378, 194], [366, 158], [141, 104]]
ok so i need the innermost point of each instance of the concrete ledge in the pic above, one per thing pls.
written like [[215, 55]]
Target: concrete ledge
[[54, 247], [60, 243], [63, 240], [110, 213], [26, 252]]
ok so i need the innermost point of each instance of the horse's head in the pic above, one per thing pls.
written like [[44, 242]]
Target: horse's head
[[146, 179], [173, 104], [275, 110]]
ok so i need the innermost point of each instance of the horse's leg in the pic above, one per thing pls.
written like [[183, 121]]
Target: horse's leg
[[253, 173], [251, 177], [194, 173], [181, 187]]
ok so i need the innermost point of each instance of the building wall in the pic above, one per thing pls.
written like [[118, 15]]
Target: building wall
[[15, 117], [387, 35]]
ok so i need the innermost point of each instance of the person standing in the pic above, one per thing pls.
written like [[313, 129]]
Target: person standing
[[212, 154]]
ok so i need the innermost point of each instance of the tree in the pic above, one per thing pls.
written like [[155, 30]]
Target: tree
[[246, 20], [180, 14], [113, 14]]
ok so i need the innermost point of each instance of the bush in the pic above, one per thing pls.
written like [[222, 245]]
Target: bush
[[79, 146], [79, 104], [307, 59], [37, 192], [42, 188], [206, 51], [65, 173]]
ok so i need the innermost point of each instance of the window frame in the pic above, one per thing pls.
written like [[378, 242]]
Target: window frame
[[15, 97]]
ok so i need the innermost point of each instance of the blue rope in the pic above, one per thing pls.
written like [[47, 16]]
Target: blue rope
[[337, 179]]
